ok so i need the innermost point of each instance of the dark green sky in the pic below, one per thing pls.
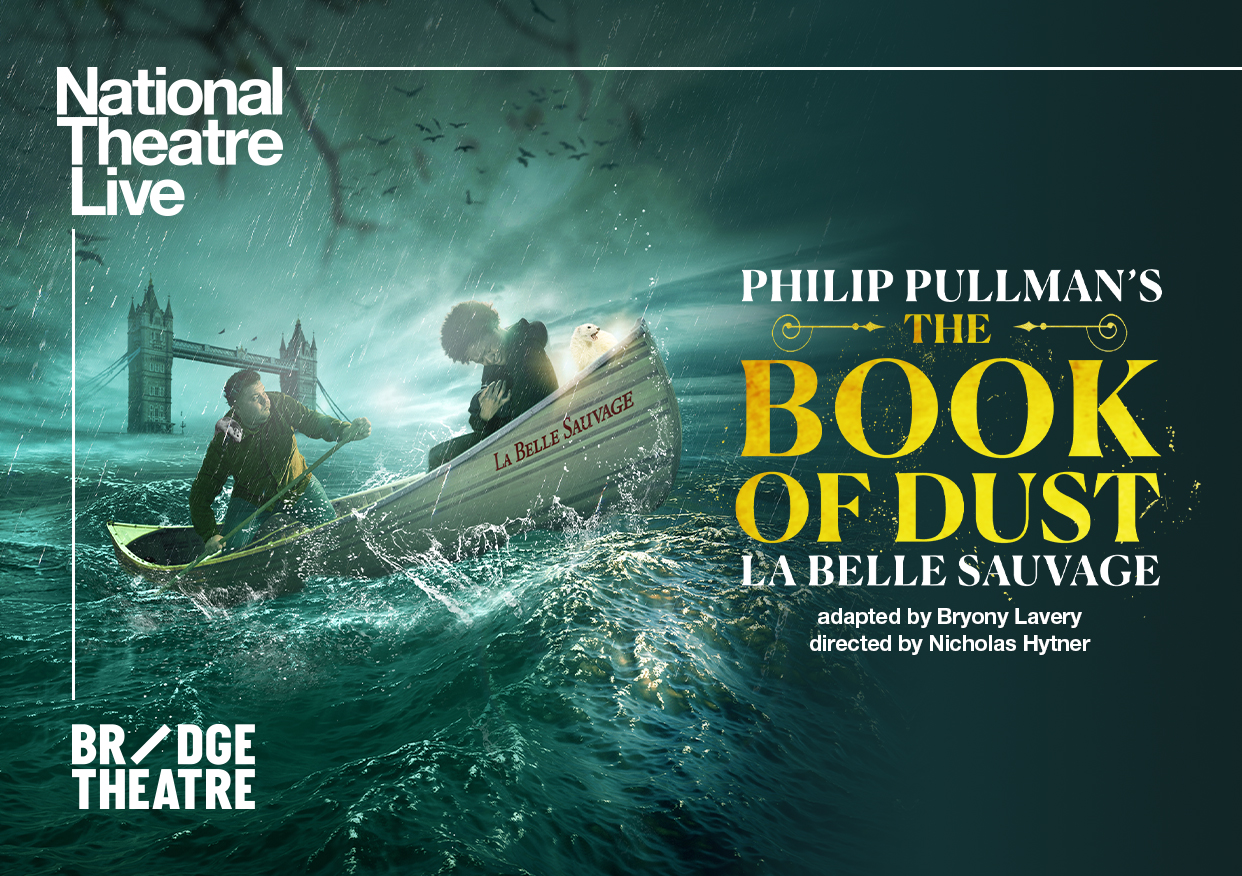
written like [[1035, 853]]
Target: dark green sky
[[687, 176]]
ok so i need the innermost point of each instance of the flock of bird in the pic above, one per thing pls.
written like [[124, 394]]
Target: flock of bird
[[86, 255], [531, 122]]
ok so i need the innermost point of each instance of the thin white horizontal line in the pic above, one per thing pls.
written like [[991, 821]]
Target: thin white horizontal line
[[621, 69]]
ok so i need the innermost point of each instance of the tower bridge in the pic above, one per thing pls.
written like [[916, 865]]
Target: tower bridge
[[152, 348]]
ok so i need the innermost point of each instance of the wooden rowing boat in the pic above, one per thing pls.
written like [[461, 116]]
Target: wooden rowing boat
[[608, 439]]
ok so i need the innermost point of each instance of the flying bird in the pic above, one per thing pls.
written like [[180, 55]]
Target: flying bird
[[379, 142], [408, 93], [580, 155], [535, 8], [220, 332], [422, 127], [424, 165], [459, 124], [88, 256], [255, 338], [635, 124], [91, 238], [523, 162], [434, 137], [439, 127], [525, 153], [466, 147], [11, 306], [612, 165], [389, 190]]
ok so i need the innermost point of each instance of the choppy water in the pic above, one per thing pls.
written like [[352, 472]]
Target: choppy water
[[606, 699]]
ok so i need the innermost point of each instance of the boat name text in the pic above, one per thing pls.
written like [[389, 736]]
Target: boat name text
[[568, 428]]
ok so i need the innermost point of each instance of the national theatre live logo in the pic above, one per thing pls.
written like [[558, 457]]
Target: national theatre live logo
[[113, 782], [101, 104]]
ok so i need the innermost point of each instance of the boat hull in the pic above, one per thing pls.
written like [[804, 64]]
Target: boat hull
[[609, 439]]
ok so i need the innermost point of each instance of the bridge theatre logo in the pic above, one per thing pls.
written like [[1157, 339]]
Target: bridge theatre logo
[[214, 768]]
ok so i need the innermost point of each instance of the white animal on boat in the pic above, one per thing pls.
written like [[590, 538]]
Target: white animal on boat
[[588, 343]]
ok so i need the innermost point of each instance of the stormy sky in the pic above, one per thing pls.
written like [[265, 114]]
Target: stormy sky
[[637, 194], [599, 196]]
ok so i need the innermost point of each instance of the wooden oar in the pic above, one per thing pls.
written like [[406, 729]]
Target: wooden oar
[[268, 504]]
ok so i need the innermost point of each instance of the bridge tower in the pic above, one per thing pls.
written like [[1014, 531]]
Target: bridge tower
[[150, 372], [301, 358]]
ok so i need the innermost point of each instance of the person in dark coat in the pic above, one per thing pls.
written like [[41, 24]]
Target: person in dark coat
[[517, 373], [254, 443]]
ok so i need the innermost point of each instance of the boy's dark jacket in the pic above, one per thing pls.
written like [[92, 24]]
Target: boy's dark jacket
[[527, 373]]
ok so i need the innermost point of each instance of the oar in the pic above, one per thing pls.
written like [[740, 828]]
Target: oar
[[268, 504]]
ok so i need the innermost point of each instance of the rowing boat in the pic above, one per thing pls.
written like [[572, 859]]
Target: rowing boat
[[609, 439]]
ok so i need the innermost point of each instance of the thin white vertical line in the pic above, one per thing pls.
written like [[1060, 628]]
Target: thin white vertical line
[[73, 468]]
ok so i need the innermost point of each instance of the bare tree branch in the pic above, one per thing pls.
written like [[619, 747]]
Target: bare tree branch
[[327, 152], [567, 45], [222, 31]]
